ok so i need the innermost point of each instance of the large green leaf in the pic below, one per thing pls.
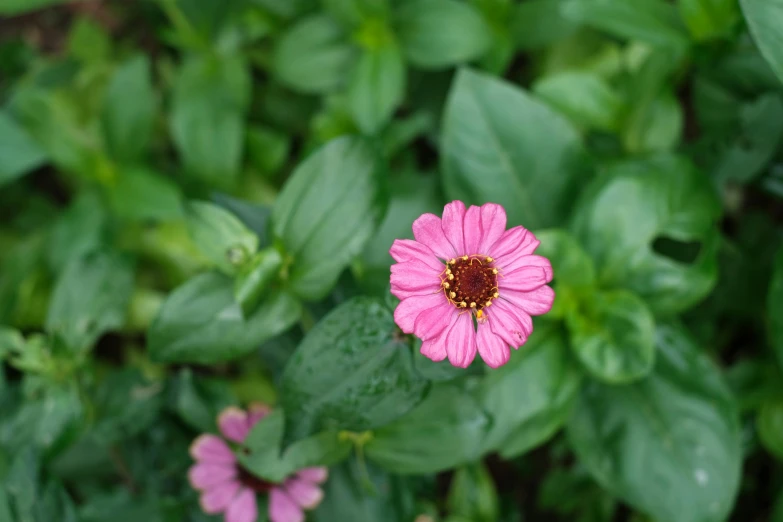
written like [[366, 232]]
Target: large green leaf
[[640, 220], [442, 432], [668, 445], [313, 56], [200, 322], [473, 495], [90, 298], [221, 236], [207, 118], [129, 110], [613, 336], [775, 308], [765, 18], [501, 145], [584, 98], [709, 19], [19, 154], [327, 211], [377, 87], [529, 398], [440, 33], [351, 371]]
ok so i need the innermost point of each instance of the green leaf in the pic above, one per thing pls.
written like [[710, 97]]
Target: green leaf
[[436, 34], [641, 221], [473, 494], [655, 22], [198, 401], [200, 322], [267, 148], [764, 18], [377, 87], [129, 110], [253, 215], [220, 236], [350, 372], [327, 211], [254, 278], [207, 117], [314, 56], [571, 265], [709, 19], [531, 168], [668, 445], [89, 41], [442, 432], [654, 127], [126, 404], [769, 424], [81, 228], [613, 336], [538, 23], [140, 194], [544, 374], [17, 7], [585, 98], [353, 12], [775, 308], [90, 298], [761, 131], [19, 154]]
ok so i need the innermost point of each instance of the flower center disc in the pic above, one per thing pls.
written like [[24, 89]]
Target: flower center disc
[[471, 281], [251, 481]]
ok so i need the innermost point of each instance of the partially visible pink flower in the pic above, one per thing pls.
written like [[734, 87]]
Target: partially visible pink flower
[[226, 487], [467, 267]]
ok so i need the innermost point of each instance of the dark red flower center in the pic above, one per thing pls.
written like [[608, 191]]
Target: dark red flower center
[[249, 480], [471, 282]]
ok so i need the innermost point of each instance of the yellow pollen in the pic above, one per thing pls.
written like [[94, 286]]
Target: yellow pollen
[[452, 294], [445, 284], [451, 277], [489, 259], [452, 261], [464, 258], [448, 271], [495, 271], [480, 314], [489, 303], [473, 305], [463, 304], [495, 295]]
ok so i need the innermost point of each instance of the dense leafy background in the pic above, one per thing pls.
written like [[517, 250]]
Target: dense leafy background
[[197, 199]]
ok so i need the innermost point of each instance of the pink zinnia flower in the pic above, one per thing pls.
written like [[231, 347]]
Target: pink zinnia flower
[[228, 488], [468, 267]]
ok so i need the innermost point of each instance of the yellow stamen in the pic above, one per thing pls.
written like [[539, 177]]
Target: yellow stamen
[[451, 277], [452, 294], [445, 284], [495, 295], [479, 314], [473, 305], [464, 258], [489, 259], [463, 304], [489, 303], [495, 271]]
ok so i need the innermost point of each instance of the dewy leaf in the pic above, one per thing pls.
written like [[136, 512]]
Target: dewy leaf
[[377, 87], [775, 308], [19, 153], [254, 278], [207, 120], [635, 207], [501, 145], [326, 212], [350, 372], [585, 98], [90, 298], [436, 34], [655, 22], [765, 18], [542, 373], [129, 110], [668, 445], [444, 431], [314, 56], [613, 335], [200, 322], [220, 235]]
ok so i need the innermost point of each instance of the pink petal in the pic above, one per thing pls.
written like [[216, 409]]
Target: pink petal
[[471, 230], [282, 508], [435, 348], [256, 412], [403, 250], [431, 323], [453, 217], [415, 276], [509, 323], [233, 424], [461, 341], [212, 449], [217, 499], [492, 348], [406, 312], [317, 475], [428, 231], [493, 224], [243, 508], [206, 476], [537, 302], [514, 242], [304, 493], [526, 274]]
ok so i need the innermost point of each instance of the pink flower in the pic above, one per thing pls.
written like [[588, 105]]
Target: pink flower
[[228, 488], [465, 267]]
